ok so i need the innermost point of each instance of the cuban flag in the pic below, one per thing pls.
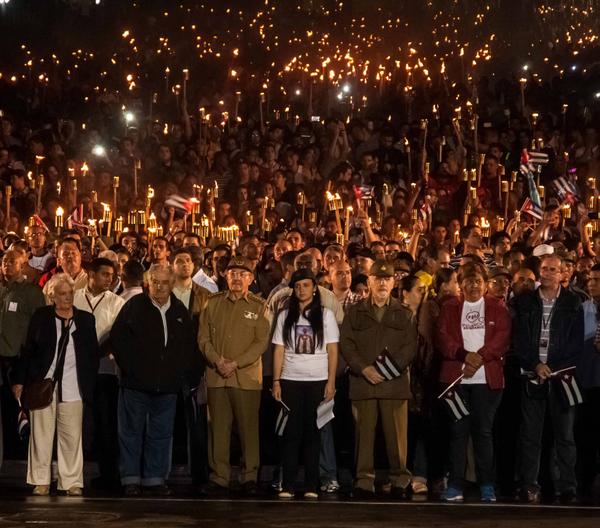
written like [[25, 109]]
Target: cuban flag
[[386, 366], [179, 203], [527, 168], [453, 401], [282, 419], [566, 190], [569, 386], [364, 192], [531, 209], [23, 426]]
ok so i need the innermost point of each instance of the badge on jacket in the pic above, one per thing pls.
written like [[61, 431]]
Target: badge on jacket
[[251, 315]]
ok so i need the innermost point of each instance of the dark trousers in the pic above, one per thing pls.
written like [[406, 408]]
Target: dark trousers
[[506, 432], [197, 438], [482, 403], [145, 434], [106, 436], [533, 412], [587, 434], [303, 398]]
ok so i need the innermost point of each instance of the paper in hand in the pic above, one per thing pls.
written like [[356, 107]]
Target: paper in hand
[[325, 413]]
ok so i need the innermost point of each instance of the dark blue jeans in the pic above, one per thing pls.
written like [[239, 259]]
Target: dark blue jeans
[[145, 434], [482, 403]]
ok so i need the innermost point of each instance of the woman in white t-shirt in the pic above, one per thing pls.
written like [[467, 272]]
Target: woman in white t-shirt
[[304, 364]]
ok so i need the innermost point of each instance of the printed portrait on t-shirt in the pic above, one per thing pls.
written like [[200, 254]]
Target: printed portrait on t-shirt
[[305, 340]]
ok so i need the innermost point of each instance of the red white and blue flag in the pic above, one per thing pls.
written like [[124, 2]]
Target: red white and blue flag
[[532, 209]]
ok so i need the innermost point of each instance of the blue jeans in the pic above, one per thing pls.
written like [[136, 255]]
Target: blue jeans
[[145, 422], [327, 458]]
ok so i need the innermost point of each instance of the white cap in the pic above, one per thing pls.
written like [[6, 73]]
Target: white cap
[[543, 249]]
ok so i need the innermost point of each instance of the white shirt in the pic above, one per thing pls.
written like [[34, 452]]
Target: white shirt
[[70, 385], [183, 294], [104, 307], [128, 293], [163, 314], [202, 279], [304, 360], [40, 263], [472, 324]]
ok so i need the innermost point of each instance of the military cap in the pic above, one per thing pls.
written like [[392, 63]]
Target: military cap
[[382, 268]]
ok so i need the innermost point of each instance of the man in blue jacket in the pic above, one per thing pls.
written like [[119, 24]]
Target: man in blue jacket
[[154, 346], [548, 337], [588, 373]]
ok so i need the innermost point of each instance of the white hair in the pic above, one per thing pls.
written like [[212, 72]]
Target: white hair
[[59, 278]]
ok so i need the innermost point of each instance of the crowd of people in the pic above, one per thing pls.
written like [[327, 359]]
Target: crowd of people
[[433, 283]]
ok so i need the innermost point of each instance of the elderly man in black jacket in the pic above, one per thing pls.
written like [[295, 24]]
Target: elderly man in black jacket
[[548, 337], [154, 346]]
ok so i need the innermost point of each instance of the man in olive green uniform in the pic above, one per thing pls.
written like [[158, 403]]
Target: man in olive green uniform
[[377, 324], [234, 332]]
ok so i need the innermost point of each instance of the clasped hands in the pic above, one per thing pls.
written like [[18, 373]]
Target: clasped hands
[[473, 362], [226, 367]]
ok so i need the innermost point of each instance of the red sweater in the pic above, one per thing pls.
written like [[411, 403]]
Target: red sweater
[[449, 340]]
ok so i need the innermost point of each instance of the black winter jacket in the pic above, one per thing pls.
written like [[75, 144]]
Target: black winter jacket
[[566, 330], [139, 347]]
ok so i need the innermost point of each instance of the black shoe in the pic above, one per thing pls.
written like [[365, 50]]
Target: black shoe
[[529, 496], [398, 493], [212, 488], [567, 498], [131, 490], [162, 490], [201, 490], [249, 489], [362, 494]]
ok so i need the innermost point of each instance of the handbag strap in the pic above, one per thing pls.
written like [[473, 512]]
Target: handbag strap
[[63, 341]]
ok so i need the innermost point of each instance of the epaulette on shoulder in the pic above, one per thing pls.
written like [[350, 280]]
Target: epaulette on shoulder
[[218, 294], [257, 298]]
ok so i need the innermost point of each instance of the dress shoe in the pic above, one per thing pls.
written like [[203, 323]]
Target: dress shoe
[[249, 488], [131, 490], [212, 488], [567, 498], [529, 496], [399, 493], [161, 490], [41, 490], [75, 491], [362, 494]]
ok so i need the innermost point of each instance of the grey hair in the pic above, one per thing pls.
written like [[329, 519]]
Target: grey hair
[[157, 267], [57, 279]]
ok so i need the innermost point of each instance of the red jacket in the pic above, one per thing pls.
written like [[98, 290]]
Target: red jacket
[[449, 340]]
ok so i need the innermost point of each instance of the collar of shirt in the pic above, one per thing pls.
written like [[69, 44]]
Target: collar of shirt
[[183, 289], [233, 299], [163, 309], [372, 302]]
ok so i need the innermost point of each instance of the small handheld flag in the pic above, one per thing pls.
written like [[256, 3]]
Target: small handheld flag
[[282, 419], [386, 366], [455, 404], [569, 387]]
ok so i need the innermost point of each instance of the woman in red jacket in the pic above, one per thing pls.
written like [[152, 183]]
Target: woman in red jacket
[[473, 337]]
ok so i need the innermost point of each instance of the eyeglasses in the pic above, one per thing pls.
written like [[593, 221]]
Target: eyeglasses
[[237, 274]]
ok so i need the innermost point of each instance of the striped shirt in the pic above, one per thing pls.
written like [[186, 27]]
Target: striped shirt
[[547, 311]]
